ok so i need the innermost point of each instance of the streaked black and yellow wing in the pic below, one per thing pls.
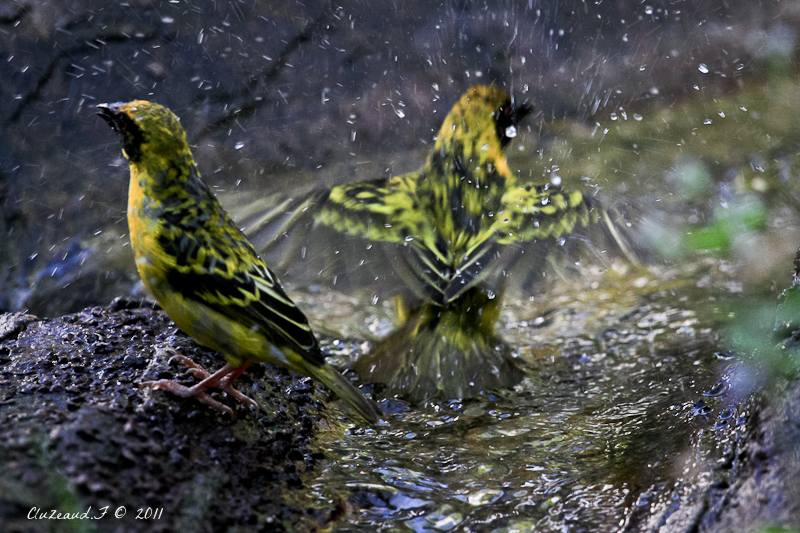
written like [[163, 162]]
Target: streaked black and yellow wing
[[231, 279]]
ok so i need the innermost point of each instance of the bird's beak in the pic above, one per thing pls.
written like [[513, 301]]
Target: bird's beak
[[110, 113], [521, 111]]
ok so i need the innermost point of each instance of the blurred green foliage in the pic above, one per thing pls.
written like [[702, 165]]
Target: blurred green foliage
[[746, 214]]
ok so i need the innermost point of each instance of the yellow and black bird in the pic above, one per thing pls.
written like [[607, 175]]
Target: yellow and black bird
[[455, 227], [203, 271]]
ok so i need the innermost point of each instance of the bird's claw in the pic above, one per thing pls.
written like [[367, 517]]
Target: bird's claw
[[223, 379], [193, 368], [226, 384], [195, 392]]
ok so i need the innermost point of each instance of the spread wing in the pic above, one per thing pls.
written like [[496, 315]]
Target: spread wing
[[385, 210], [367, 209], [532, 218], [536, 213], [391, 213], [542, 212], [349, 235]]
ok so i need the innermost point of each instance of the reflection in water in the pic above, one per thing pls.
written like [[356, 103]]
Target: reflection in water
[[625, 400]]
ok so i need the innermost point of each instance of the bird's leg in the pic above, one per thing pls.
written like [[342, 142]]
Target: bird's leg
[[226, 384], [222, 378]]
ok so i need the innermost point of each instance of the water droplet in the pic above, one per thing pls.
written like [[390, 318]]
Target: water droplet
[[484, 496], [717, 390], [484, 147], [700, 408], [239, 145], [400, 113], [637, 117], [491, 295], [703, 68], [511, 132], [707, 121]]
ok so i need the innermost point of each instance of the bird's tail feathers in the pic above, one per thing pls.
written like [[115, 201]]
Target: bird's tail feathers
[[441, 353], [345, 390]]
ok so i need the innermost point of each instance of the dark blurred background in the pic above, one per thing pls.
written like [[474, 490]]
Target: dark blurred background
[[277, 95]]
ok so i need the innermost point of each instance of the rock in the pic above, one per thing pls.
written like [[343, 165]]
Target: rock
[[78, 435]]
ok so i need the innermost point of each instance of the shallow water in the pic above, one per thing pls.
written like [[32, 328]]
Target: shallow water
[[628, 396]]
